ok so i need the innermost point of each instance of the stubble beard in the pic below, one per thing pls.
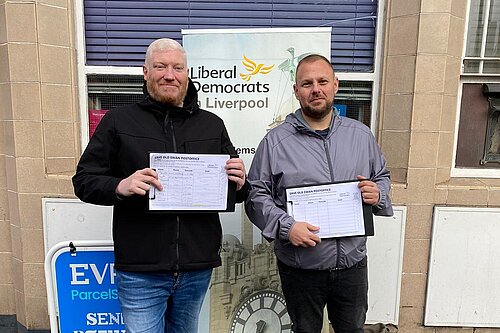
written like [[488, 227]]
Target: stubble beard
[[317, 113], [153, 90]]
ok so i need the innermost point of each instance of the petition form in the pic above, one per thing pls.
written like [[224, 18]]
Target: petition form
[[190, 182], [336, 208]]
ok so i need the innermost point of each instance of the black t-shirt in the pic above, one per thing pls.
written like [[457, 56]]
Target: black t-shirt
[[323, 132]]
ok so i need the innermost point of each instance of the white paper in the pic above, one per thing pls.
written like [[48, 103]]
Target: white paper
[[336, 208], [190, 182]]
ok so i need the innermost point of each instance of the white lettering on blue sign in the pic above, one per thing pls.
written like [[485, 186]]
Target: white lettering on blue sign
[[79, 274], [102, 318]]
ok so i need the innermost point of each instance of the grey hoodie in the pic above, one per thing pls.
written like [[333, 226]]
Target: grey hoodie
[[292, 154]]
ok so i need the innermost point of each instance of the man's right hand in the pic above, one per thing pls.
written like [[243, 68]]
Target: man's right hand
[[138, 183], [303, 234]]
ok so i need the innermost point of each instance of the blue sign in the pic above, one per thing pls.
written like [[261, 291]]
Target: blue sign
[[86, 293], [342, 109]]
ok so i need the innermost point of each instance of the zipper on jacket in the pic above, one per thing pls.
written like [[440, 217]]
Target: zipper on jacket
[[330, 168], [169, 124], [173, 135], [177, 243], [337, 263]]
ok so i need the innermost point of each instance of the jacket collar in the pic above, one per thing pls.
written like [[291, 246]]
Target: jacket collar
[[298, 122], [189, 107]]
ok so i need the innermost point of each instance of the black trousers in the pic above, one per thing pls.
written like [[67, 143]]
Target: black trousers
[[344, 292]]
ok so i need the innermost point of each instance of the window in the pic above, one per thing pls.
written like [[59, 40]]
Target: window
[[482, 52], [478, 138], [114, 35], [106, 92]]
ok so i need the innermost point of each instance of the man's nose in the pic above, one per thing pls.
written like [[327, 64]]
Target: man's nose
[[168, 74], [315, 87]]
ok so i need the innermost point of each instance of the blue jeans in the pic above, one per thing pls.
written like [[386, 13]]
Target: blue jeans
[[344, 292], [162, 302]]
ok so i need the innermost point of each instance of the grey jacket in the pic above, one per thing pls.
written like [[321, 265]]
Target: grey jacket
[[292, 155]]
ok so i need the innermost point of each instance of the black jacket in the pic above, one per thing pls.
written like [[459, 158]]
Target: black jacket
[[143, 240]]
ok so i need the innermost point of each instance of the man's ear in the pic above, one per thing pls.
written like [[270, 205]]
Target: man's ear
[[145, 72], [336, 85]]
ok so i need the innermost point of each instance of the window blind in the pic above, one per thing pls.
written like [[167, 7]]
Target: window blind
[[117, 32]]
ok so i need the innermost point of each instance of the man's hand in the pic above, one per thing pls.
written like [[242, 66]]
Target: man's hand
[[369, 191], [235, 170], [138, 183], [302, 234]]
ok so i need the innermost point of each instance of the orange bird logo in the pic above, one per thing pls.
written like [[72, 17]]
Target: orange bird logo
[[253, 69]]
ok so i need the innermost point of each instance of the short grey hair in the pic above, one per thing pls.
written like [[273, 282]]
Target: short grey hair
[[164, 44]]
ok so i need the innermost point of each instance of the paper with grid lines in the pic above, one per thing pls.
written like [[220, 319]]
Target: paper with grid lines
[[190, 182], [336, 208]]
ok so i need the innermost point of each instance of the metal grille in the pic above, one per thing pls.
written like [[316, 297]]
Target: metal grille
[[109, 91], [106, 92]]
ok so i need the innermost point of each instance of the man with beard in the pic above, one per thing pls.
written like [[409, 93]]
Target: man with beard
[[163, 261], [315, 146]]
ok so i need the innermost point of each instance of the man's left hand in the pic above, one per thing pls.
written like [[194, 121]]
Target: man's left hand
[[235, 170], [369, 191]]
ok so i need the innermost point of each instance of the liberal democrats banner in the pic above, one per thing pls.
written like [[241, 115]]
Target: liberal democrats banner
[[246, 76]]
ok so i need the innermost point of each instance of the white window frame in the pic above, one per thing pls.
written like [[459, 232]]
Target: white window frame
[[481, 58], [472, 78], [83, 71]]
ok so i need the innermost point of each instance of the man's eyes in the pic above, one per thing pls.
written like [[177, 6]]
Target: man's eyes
[[162, 67], [308, 84]]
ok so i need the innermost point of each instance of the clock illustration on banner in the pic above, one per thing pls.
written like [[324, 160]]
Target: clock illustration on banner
[[263, 312]]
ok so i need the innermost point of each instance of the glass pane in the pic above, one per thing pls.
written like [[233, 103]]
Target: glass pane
[[493, 35], [106, 92], [471, 66], [491, 67], [472, 126], [492, 142], [354, 100], [475, 28]]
